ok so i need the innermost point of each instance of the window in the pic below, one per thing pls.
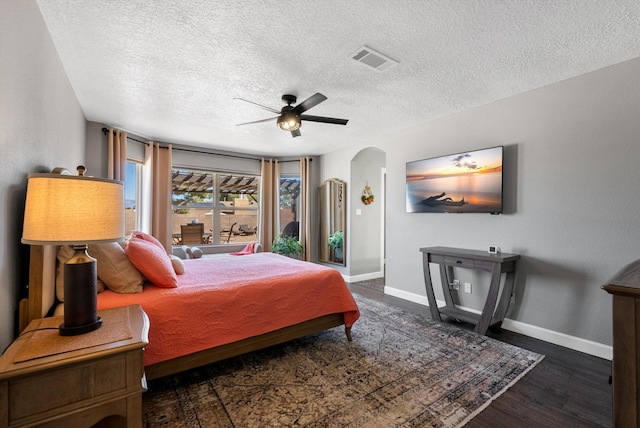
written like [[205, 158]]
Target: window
[[290, 206], [132, 191], [226, 203]]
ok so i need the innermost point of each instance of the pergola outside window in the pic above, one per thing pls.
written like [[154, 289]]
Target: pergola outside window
[[226, 204]]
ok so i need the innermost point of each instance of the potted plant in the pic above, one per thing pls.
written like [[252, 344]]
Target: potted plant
[[336, 242], [287, 246]]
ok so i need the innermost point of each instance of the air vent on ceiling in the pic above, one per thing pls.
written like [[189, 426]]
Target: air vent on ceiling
[[373, 59]]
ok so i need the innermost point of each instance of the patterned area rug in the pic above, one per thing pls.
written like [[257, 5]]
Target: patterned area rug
[[400, 370]]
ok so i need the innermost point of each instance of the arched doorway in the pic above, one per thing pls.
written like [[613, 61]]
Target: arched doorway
[[367, 225]]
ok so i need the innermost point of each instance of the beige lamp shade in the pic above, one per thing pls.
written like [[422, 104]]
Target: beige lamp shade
[[68, 209]]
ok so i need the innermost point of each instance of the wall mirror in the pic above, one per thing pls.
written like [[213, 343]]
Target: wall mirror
[[332, 221]]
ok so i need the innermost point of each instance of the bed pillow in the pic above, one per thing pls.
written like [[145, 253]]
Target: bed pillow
[[181, 252], [152, 261], [178, 265], [194, 252], [115, 269], [147, 237]]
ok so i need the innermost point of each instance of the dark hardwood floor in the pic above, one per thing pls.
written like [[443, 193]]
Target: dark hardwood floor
[[567, 389]]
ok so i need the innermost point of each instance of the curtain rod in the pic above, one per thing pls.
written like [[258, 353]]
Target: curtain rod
[[231, 156], [105, 131]]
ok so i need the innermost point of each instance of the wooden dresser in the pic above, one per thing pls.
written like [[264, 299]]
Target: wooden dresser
[[96, 378], [625, 288]]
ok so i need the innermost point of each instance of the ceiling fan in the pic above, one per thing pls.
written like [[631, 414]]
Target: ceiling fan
[[290, 117]]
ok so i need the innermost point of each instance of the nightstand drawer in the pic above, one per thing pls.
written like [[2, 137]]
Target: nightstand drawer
[[44, 391]]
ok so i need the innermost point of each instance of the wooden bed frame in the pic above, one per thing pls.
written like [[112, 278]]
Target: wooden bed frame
[[34, 307]]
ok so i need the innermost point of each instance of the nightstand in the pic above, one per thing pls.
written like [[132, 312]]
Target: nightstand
[[93, 379]]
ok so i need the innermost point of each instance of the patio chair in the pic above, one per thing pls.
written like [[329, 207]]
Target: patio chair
[[245, 229], [192, 233], [292, 229], [229, 231]]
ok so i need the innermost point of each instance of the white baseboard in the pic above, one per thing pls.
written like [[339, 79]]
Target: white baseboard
[[561, 339], [576, 343], [363, 277], [412, 297]]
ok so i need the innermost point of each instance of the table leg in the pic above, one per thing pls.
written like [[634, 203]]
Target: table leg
[[505, 298], [446, 275], [487, 312], [433, 306]]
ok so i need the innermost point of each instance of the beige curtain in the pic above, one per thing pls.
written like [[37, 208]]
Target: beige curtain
[[158, 161], [305, 208], [269, 205], [117, 154]]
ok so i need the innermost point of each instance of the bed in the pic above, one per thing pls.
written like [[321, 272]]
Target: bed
[[221, 307]]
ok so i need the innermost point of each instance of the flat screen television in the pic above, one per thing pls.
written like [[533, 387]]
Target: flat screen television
[[467, 182]]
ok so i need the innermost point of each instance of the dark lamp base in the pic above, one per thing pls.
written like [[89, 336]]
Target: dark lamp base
[[79, 329], [80, 294]]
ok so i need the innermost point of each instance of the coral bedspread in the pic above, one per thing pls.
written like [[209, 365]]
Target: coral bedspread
[[226, 299]]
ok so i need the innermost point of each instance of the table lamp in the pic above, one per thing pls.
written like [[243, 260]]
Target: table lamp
[[64, 209]]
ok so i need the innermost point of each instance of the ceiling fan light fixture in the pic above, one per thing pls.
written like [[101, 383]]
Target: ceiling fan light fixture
[[290, 117], [289, 122]]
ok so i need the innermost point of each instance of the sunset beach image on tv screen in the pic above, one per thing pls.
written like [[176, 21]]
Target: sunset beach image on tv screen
[[467, 182]]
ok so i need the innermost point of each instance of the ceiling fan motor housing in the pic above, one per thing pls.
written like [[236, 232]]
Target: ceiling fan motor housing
[[289, 99]]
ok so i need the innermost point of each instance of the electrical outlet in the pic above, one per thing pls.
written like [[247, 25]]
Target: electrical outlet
[[467, 287], [455, 285]]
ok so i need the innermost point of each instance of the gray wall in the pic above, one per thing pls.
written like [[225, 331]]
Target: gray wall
[[571, 190], [96, 148], [365, 237], [41, 126]]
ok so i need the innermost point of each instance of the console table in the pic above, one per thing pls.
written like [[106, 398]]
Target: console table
[[496, 264]]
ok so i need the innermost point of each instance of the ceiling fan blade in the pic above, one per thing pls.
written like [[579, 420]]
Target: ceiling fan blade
[[322, 119], [272, 110], [256, 121], [296, 133], [312, 101]]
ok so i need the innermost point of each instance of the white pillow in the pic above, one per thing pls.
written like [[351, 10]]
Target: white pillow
[[115, 269], [177, 263], [181, 252], [194, 252]]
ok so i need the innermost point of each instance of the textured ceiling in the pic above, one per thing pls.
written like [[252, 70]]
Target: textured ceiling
[[170, 70]]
